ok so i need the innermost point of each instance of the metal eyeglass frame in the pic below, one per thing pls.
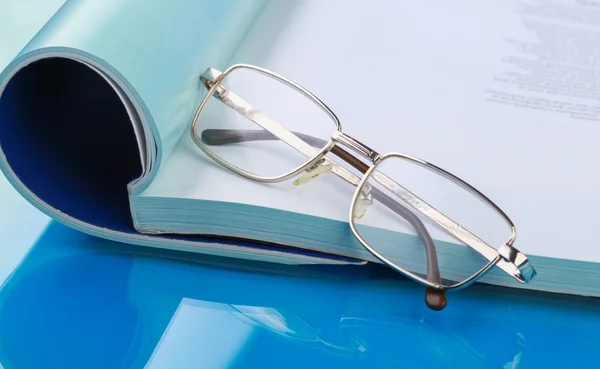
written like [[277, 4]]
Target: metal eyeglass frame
[[506, 257]]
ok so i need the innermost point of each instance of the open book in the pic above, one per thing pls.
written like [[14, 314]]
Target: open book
[[95, 114]]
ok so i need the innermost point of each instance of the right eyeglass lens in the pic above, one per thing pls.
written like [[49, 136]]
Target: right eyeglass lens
[[237, 124], [384, 218]]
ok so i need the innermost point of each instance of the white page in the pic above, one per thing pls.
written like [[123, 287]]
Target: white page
[[415, 77]]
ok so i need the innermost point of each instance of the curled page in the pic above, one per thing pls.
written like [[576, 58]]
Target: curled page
[[94, 104]]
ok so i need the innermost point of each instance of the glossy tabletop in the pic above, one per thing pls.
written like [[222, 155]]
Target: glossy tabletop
[[69, 300]]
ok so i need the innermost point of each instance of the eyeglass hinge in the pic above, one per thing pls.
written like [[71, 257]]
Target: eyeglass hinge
[[525, 271], [508, 253], [356, 145]]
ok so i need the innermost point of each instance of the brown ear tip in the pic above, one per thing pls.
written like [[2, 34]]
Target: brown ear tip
[[435, 299]]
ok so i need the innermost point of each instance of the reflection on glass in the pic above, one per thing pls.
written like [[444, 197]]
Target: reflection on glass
[[20, 225], [81, 302], [201, 334]]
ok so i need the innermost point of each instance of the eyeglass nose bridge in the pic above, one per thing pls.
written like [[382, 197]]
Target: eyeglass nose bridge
[[355, 145]]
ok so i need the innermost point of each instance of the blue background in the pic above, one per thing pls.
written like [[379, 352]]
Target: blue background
[[70, 300]]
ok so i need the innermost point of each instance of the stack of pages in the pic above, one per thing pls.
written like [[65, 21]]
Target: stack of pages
[[95, 113]]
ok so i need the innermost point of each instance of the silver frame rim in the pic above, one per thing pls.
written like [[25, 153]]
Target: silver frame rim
[[459, 285], [290, 174]]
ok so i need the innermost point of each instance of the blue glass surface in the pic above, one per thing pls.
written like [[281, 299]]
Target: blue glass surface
[[76, 301]]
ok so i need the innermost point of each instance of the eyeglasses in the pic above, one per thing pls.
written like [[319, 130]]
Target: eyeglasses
[[410, 214]]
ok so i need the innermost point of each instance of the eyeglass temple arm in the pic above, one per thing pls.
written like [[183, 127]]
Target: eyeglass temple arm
[[232, 136]]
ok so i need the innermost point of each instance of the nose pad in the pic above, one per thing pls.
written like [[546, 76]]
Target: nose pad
[[365, 198], [319, 169]]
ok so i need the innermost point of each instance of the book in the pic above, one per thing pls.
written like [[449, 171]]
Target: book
[[95, 114]]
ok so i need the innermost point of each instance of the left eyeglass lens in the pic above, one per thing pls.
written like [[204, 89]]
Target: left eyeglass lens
[[244, 120]]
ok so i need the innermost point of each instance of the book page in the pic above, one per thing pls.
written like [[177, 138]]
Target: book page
[[19, 22], [504, 94]]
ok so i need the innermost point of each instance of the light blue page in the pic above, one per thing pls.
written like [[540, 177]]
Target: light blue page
[[20, 20], [153, 51], [94, 104]]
